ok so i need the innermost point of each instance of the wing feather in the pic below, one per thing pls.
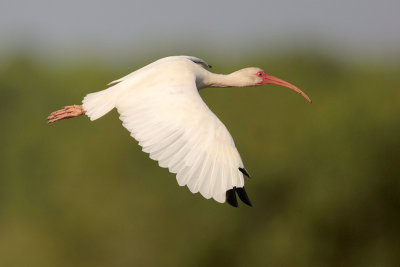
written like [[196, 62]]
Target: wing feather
[[175, 126]]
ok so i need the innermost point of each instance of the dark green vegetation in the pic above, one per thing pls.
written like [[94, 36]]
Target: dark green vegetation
[[325, 181]]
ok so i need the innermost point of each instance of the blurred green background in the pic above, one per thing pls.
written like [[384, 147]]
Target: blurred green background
[[325, 176], [325, 184]]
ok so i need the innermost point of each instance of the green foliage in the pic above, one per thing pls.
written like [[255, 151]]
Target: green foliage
[[325, 186]]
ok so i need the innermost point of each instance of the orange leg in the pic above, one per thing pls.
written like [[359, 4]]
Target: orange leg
[[66, 113]]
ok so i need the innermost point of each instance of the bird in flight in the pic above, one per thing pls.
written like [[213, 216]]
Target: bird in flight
[[161, 107]]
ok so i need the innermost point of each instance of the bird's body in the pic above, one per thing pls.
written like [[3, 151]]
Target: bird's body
[[160, 106]]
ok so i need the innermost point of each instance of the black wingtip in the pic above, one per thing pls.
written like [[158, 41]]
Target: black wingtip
[[244, 171], [209, 66], [231, 197], [243, 196]]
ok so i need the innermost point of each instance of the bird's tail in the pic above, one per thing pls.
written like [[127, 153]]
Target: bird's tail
[[100, 103]]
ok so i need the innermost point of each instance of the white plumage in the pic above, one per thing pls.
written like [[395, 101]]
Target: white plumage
[[160, 106], [164, 112]]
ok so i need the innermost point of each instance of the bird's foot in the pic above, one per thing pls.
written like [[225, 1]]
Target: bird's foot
[[66, 113]]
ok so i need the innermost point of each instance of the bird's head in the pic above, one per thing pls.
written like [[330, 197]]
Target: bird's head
[[256, 76]]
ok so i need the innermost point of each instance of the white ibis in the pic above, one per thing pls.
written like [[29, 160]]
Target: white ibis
[[161, 107]]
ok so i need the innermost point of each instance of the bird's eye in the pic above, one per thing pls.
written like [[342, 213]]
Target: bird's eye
[[259, 73]]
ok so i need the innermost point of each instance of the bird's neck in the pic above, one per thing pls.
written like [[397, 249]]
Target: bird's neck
[[223, 80]]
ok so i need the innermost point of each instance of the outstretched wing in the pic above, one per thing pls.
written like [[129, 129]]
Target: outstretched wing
[[178, 130]]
